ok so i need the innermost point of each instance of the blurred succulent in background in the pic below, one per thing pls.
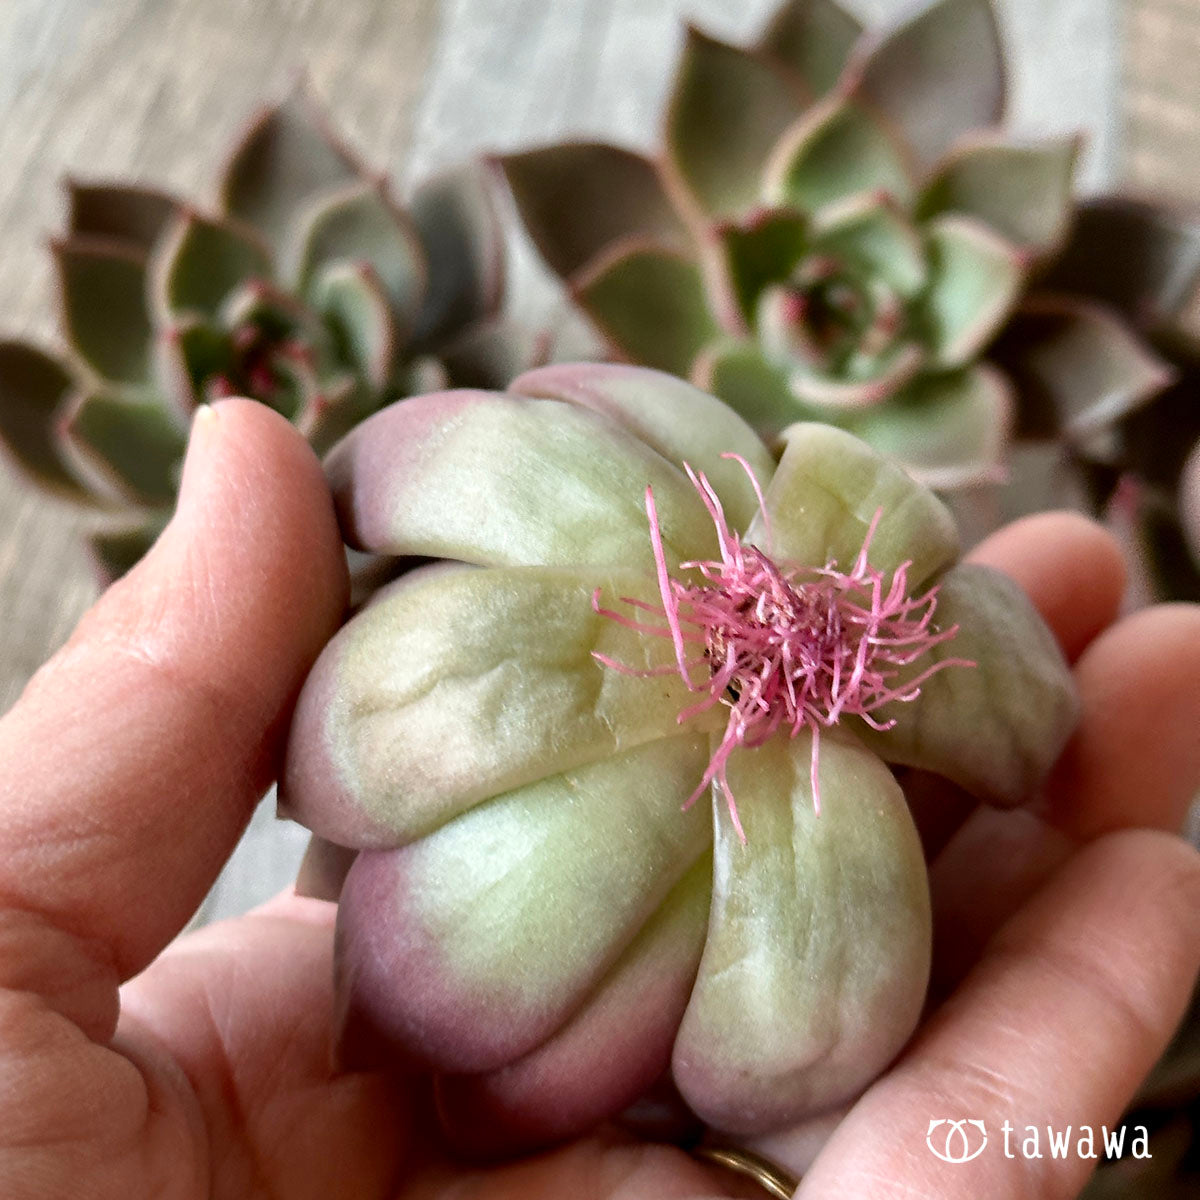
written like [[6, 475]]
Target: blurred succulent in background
[[308, 289], [836, 229]]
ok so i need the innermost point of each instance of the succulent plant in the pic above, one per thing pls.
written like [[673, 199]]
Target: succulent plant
[[308, 288], [576, 760], [836, 229]]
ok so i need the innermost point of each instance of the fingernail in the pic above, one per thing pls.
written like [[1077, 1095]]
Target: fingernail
[[196, 461]]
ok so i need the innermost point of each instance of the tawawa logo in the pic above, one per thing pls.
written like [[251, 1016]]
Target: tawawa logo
[[956, 1143], [960, 1141]]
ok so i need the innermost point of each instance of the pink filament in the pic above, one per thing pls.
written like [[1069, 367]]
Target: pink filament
[[783, 648]]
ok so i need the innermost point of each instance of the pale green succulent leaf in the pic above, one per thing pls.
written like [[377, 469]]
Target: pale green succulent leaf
[[836, 397], [578, 198], [998, 727], [825, 495], [351, 299], [817, 958], [33, 391], [948, 430], [835, 150], [202, 263], [134, 215], [480, 477], [102, 292], [728, 108], [759, 251], [650, 304], [751, 384], [191, 354], [116, 551], [454, 214], [1077, 367], [1021, 190], [133, 445], [362, 227], [488, 354], [871, 237], [331, 408], [975, 279], [938, 75], [466, 683], [684, 424], [288, 155], [813, 39]]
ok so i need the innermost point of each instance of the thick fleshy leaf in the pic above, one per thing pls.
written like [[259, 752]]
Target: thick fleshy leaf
[[287, 155], [134, 445], [817, 958], [578, 198], [871, 237], [474, 944], [467, 683], [837, 149], [1077, 367], [752, 386], [825, 494], [813, 39], [189, 356], [362, 226], [998, 727], [33, 389], [728, 109], [605, 1057], [948, 431], [650, 303], [135, 215], [1140, 258], [756, 252], [102, 291], [975, 277], [502, 480], [203, 262], [1021, 190], [683, 424], [834, 396], [115, 551], [937, 76], [488, 355], [351, 298], [455, 217], [331, 408]]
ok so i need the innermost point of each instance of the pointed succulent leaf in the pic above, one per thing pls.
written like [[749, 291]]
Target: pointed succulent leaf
[[871, 237], [650, 303], [728, 108], [351, 298], [813, 39], [1022, 191], [116, 551], [331, 408], [133, 445], [33, 390], [817, 957], [505, 919], [948, 431], [683, 424], [758, 251], [361, 225], [826, 493], [102, 290], [484, 478], [833, 395], [459, 229], [202, 262], [753, 386], [136, 216], [975, 277], [465, 684], [189, 355], [488, 355], [838, 149], [287, 155], [998, 727], [1140, 258], [937, 76], [578, 198], [1076, 366]]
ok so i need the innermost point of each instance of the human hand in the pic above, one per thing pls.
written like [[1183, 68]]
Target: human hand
[[1067, 942]]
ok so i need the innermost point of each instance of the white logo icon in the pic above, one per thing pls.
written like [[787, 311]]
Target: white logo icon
[[955, 1146]]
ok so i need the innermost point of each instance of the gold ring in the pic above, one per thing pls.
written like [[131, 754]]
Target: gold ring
[[775, 1181]]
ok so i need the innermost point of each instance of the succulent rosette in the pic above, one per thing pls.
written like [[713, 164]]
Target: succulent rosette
[[308, 288], [614, 770], [836, 229]]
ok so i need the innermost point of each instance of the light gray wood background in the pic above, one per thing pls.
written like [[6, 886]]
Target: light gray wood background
[[157, 88]]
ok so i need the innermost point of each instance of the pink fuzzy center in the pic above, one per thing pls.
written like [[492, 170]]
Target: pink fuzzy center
[[783, 647]]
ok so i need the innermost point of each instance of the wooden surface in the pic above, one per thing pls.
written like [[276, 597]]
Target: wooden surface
[[158, 87]]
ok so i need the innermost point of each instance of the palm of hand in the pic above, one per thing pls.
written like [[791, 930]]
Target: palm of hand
[[1066, 956]]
